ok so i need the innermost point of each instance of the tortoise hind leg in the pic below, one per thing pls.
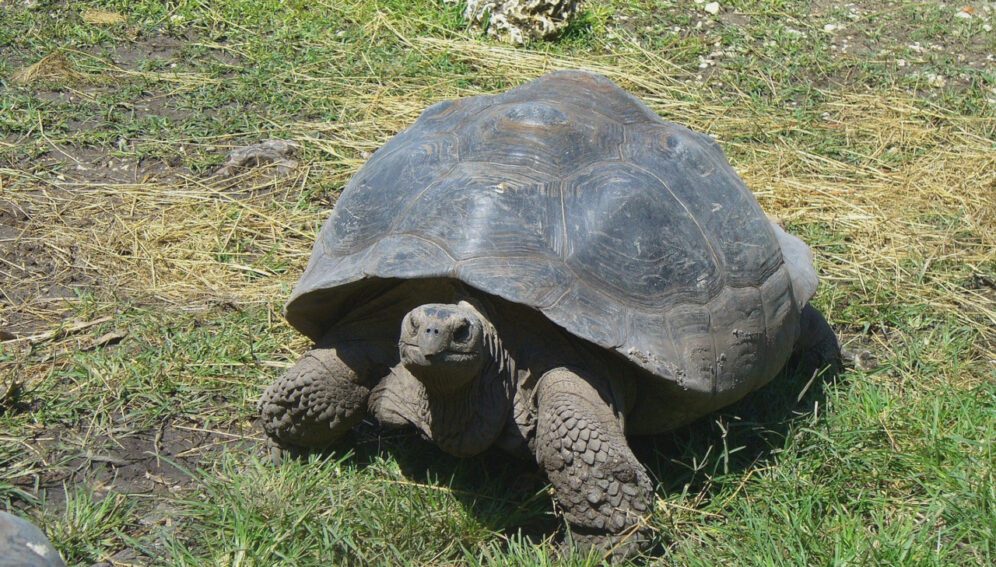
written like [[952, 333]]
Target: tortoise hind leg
[[604, 492], [314, 403], [817, 345]]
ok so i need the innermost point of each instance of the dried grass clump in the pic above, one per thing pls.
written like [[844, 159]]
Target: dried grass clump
[[102, 17], [53, 68], [185, 244]]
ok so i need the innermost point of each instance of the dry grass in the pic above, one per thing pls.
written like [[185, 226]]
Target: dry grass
[[54, 68], [102, 17]]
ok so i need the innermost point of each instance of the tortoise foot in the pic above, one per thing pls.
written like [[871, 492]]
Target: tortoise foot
[[315, 403]]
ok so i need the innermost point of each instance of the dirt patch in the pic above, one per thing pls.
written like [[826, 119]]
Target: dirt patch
[[899, 34], [157, 49], [105, 166], [151, 462]]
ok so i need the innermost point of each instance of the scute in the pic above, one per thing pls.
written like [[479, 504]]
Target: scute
[[589, 93], [480, 211], [539, 280], [698, 175], [539, 135], [570, 196], [369, 205], [633, 240]]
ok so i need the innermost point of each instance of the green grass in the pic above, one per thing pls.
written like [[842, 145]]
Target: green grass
[[141, 448]]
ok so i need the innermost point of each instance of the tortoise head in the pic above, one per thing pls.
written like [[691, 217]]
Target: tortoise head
[[443, 345]]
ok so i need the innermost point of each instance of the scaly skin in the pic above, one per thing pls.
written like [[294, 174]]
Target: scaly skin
[[603, 491], [316, 402], [455, 382]]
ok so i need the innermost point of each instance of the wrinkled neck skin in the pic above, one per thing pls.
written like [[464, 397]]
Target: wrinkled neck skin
[[463, 421], [467, 421]]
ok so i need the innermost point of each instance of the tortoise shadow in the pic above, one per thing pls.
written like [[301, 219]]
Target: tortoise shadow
[[743, 436], [509, 495], [504, 493]]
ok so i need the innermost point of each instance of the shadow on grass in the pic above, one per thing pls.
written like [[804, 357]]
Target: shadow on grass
[[503, 492], [739, 437]]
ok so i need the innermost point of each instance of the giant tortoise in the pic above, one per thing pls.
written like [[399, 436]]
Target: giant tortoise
[[547, 271]]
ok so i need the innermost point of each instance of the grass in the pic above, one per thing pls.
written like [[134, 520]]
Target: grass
[[140, 295]]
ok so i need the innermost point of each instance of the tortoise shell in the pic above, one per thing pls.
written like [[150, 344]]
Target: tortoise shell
[[570, 196]]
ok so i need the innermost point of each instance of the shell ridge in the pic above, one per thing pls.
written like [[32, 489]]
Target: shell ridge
[[428, 240], [528, 168], [579, 110]]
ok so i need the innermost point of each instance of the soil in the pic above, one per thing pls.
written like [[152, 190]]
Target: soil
[[862, 31], [863, 28], [39, 278], [152, 464]]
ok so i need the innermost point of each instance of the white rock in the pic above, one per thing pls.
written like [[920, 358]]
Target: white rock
[[830, 27], [963, 15], [712, 8], [519, 20]]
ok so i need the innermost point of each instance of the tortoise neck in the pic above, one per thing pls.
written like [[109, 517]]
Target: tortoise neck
[[467, 421]]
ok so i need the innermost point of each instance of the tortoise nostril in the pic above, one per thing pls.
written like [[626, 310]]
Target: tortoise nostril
[[461, 332]]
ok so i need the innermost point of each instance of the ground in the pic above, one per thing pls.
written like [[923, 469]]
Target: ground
[[140, 293]]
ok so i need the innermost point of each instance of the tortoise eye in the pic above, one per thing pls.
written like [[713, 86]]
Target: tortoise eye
[[412, 324]]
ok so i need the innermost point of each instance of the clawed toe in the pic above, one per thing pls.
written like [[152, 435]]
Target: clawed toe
[[612, 548], [279, 454]]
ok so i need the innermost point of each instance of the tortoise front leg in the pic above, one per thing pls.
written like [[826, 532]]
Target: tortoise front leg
[[315, 403], [603, 491]]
